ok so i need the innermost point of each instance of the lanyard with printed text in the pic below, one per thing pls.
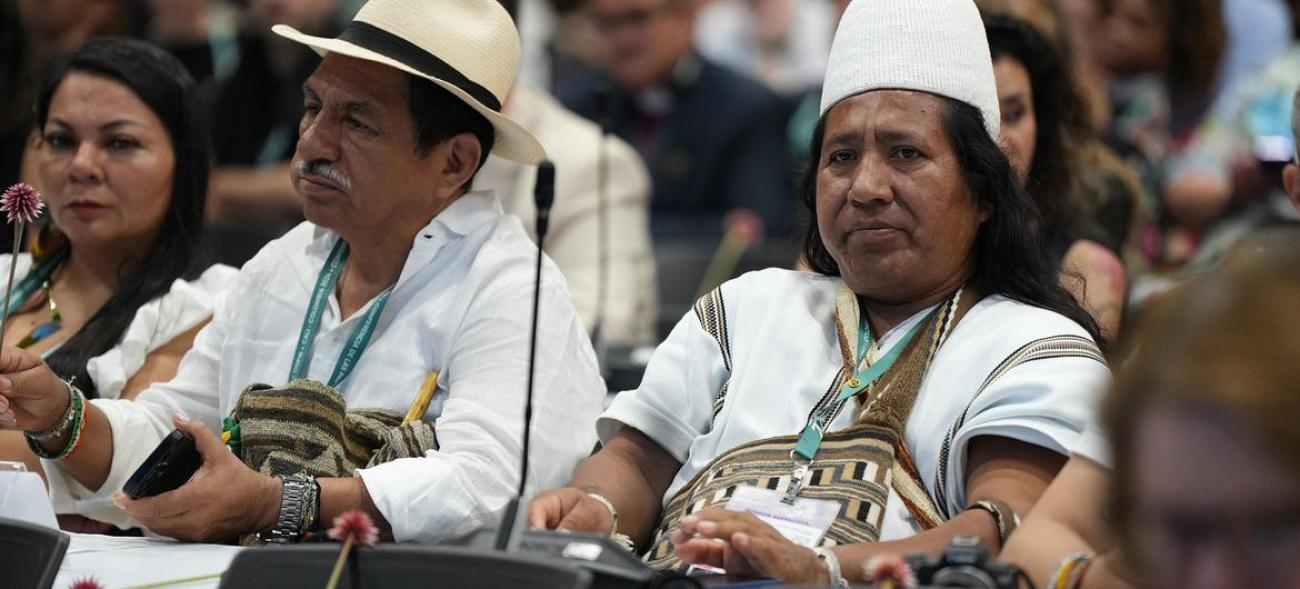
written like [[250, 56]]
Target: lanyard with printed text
[[34, 281], [360, 337], [811, 438]]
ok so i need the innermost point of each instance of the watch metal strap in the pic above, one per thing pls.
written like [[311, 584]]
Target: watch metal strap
[[297, 505]]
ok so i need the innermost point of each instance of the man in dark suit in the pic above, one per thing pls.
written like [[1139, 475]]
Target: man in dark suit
[[714, 140]]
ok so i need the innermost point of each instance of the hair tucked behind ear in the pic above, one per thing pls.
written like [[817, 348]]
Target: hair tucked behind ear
[[1010, 258]]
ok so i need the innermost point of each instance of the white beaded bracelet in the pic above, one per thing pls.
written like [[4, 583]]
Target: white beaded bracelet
[[833, 567], [623, 540]]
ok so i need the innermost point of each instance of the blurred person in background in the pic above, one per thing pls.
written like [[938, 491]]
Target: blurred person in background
[[203, 35], [116, 290], [1291, 173], [1228, 180], [257, 105], [1073, 524], [599, 233], [1044, 132], [1165, 59], [1070, 26], [1109, 191], [1213, 376], [712, 138], [782, 43]]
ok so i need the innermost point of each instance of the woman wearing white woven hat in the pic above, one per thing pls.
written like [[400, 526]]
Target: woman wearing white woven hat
[[400, 274], [924, 382]]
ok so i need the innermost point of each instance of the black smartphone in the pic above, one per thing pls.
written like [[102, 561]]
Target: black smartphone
[[170, 465]]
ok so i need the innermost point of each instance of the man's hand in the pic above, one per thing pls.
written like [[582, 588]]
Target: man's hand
[[32, 398], [569, 509], [223, 500], [744, 545]]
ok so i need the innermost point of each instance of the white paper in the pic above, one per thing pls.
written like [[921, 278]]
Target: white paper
[[803, 523], [125, 562], [23, 497]]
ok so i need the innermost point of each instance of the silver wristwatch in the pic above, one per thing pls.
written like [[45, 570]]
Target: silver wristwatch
[[298, 509]]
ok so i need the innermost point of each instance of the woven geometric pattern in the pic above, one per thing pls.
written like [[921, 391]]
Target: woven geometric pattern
[[854, 468], [306, 427]]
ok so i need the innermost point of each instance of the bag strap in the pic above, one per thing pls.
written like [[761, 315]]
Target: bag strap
[[1059, 346]]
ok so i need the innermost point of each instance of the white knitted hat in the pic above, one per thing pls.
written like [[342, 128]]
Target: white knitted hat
[[935, 46]]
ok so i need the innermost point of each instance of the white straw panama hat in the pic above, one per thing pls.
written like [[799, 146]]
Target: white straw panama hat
[[935, 46], [468, 47]]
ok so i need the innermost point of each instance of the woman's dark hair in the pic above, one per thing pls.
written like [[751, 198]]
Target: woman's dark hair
[[1010, 258], [1061, 115], [1198, 40], [162, 83]]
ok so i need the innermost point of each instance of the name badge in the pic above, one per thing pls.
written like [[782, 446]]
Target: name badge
[[803, 523]]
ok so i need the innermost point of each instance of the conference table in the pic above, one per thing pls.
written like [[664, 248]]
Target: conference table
[[122, 563]]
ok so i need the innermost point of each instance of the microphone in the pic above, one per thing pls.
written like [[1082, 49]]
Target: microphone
[[543, 198]]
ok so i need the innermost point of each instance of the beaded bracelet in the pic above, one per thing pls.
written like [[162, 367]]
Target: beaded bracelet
[[622, 540], [1068, 574], [61, 426], [73, 423]]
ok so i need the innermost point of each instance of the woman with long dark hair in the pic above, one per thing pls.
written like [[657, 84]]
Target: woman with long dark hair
[[1045, 132], [114, 292]]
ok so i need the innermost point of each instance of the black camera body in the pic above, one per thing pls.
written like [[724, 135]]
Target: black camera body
[[966, 563]]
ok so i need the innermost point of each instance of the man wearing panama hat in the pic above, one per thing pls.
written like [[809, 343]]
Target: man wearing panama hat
[[401, 273]]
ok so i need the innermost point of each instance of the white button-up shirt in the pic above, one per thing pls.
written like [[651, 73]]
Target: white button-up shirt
[[462, 306]]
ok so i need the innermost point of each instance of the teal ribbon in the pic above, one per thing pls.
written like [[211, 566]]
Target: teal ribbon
[[811, 438], [357, 342]]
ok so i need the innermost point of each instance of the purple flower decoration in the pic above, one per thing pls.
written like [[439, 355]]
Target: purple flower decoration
[[22, 202]]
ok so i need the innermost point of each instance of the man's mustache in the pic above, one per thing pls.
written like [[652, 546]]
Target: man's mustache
[[322, 169]]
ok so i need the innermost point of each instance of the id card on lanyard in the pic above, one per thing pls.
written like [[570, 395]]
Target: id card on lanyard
[[804, 520], [360, 337]]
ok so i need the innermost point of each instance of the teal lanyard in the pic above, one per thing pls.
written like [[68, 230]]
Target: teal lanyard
[[35, 280], [356, 344], [811, 438]]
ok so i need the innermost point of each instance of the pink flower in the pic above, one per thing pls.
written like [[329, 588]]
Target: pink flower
[[86, 583], [357, 525], [22, 202], [889, 570]]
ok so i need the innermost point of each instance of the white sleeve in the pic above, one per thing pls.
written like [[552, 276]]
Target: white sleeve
[[1094, 445], [674, 404], [156, 324], [1045, 403], [138, 426], [472, 475]]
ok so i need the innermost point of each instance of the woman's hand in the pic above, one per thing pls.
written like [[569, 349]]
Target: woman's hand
[[744, 545], [571, 510], [32, 398]]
